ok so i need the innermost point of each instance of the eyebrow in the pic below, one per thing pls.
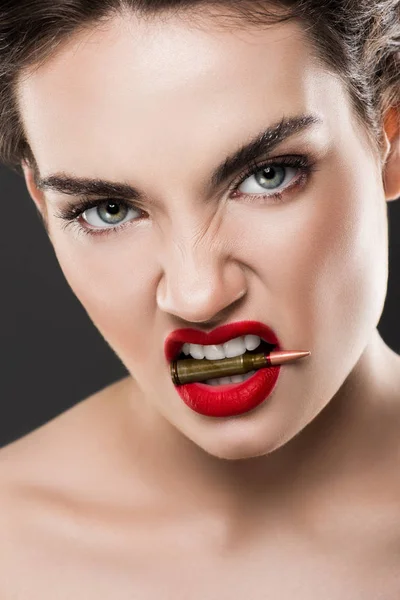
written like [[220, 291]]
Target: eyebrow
[[262, 144]]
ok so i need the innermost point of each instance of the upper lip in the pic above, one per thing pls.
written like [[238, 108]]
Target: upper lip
[[175, 340]]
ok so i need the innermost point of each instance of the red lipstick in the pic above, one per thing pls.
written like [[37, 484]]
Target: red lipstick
[[230, 399]]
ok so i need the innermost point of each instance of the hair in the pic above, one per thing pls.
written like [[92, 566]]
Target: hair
[[357, 40]]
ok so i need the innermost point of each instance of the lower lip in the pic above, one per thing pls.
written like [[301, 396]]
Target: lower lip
[[230, 399]]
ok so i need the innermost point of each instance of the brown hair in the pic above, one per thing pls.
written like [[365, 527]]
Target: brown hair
[[357, 40]]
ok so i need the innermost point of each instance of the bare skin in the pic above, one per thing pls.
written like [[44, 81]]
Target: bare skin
[[97, 504], [130, 494]]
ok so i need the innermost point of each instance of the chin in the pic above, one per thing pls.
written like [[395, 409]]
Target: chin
[[239, 444]]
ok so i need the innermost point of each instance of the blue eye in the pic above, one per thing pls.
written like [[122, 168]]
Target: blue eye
[[257, 180], [268, 178], [100, 212], [108, 212]]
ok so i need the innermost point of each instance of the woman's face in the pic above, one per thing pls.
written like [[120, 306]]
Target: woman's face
[[160, 106]]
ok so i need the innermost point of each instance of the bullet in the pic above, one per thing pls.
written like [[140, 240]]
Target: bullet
[[191, 370]]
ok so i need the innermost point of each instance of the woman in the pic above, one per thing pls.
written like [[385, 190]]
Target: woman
[[209, 172]]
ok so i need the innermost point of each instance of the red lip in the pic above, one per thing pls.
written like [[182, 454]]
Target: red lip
[[174, 342], [231, 399]]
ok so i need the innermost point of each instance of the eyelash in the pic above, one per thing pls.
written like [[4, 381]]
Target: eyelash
[[305, 165]]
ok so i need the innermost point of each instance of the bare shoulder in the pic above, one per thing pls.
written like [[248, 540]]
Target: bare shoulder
[[60, 492], [61, 436], [58, 458]]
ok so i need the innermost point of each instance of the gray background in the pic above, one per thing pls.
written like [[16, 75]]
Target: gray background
[[52, 356]]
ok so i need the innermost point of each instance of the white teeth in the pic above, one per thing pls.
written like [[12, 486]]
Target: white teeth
[[236, 378], [224, 380], [232, 348], [214, 352], [196, 350], [252, 341]]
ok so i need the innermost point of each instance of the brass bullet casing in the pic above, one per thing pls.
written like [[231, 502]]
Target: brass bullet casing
[[191, 370]]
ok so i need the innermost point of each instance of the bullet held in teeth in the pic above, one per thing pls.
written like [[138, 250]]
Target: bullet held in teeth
[[191, 370]]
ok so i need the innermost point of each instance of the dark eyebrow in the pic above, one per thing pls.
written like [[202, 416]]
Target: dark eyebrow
[[263, 143]]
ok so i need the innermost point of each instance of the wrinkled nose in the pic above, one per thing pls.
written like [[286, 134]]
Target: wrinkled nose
[[199, 289]]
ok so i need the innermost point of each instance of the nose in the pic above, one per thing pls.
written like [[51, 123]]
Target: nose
[[201, 286]]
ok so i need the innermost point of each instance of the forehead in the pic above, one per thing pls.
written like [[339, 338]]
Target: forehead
[[134, 88]]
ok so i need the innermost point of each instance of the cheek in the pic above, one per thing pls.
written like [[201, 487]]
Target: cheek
[[321, 257], [112, 280], [326, 263], [351, 258]]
